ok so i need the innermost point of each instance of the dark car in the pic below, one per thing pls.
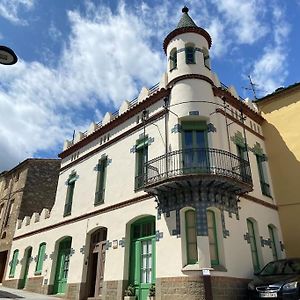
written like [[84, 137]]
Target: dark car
[[279, 279]]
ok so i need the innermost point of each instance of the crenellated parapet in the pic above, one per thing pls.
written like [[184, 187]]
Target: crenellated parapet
[[28, 221], [124, 107]]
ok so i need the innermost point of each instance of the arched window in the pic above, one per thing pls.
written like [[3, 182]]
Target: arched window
[[13, 263], [206, 58], [273, 240], [253, 244], [191, 236], [40, 259], [213, 238], [173, 59], [190, 54]]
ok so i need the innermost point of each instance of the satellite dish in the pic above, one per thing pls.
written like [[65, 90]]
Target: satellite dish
[[7, 56]]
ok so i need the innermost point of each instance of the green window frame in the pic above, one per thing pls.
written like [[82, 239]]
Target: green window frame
[[253, 245], [70, 194], [264, 185], [190, 55], [191, 237], [173, 59], [213, 238], [40, 259], [273, 241], [101, 180], [141, 151], [13, 263]]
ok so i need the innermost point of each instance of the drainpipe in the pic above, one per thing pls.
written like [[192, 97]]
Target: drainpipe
[[166, 100]]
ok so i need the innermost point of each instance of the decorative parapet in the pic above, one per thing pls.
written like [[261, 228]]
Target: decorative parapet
[[79, 135], [35, 218], [144, 93], [233, 92], [92, 128], [124, 107], [164, 81], [107, 118], [67, 144]]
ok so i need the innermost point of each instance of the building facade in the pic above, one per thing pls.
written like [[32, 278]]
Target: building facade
[[26, 189], [281, 129], [172, 190]]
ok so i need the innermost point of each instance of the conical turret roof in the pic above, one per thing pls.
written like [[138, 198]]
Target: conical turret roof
[[186, 24], [186, 20]]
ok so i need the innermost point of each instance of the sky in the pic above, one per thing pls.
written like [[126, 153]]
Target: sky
[[79, 59]]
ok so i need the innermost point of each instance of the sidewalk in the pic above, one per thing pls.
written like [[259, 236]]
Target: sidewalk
[[7, 293]]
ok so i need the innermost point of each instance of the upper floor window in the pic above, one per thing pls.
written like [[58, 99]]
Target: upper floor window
[[190, 54], [262, 171], [70, 192], [173, 59], [253, 241], [13, 263], [40, 258], [141, 158], [206, 58], [101, 178], [273, 240]]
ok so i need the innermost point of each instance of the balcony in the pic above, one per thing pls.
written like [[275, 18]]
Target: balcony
[[213, 170]]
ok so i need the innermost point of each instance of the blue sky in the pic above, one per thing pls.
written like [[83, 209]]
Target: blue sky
[[79, 59]]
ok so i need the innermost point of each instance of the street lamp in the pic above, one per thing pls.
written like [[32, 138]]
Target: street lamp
[[7, 56]]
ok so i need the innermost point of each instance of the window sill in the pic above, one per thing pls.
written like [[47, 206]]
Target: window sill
[[68, 214], [11, 276], [191, 267], [219, 268], [173, 69], [37, 273], [98, 203], [267, 195]]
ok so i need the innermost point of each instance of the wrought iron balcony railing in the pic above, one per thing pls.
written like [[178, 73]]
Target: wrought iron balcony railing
[[195, 161]]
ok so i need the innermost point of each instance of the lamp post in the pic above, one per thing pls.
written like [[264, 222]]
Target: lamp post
[[7, 56]]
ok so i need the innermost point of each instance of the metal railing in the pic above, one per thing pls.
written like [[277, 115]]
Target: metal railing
[[198, 161]]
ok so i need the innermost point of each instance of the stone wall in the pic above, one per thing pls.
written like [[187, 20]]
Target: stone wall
[[180, 288], [114, 290], [229, 288], [40, 188], [34, 284], [13, 283]]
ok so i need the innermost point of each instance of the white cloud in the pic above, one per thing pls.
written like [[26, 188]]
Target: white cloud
[[106, 59], [54, 32], [10, 9], [271, 68]]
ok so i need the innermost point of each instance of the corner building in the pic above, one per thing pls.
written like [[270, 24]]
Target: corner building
[[174, 182]]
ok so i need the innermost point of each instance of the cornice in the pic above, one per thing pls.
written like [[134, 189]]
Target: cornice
[[190, 76], [182, 30]]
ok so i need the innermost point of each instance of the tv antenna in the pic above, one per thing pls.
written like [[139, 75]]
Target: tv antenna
[[252, 87]]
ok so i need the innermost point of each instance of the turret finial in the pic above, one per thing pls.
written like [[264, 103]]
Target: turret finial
[[185, 9]]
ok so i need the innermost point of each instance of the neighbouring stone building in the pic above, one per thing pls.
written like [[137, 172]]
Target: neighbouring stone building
[[281, 128], [25, 191], [171, 190]]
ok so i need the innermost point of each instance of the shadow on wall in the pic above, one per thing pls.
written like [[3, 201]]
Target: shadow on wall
[[285, 170]]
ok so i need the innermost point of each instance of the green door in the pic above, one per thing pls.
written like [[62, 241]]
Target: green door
[[194, 146], [27, 262], [62, 267], [142, 256]]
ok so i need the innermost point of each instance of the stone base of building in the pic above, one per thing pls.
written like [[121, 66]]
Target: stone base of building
[[35, 284], [114, 290], [229, 288], [13, 283]]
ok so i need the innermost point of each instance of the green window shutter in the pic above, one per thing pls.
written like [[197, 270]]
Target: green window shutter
[[191, 237], [265, 187], [70, 192], [253, 245], [13, 263], [141, 159], [273, 242], [40, 259], [196, 125], [213, 238], [190, 55], [101, 179]]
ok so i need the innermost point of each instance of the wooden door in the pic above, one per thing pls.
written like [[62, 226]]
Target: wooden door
[[100, 268], [27, 262]]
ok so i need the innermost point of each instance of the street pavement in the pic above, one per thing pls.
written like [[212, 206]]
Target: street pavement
[[8, 294]]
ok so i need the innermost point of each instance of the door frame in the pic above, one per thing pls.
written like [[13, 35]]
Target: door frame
[[25, 269]]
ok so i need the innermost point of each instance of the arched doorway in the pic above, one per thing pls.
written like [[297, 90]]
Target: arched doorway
[[96, 262], [142, 256], [26, 261], [62, 266]]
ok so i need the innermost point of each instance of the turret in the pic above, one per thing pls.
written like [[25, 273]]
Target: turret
[[187, 49]]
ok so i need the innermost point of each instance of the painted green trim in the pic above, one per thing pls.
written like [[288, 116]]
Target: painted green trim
[[238, 139], [264, 185], [141, 158], [173, 60], [191, 260], [40, 259], [70, 192], [13, 264], [273, 242], [194, 125], [214, 262], [101, 180], [23, 281], [253, 245]]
